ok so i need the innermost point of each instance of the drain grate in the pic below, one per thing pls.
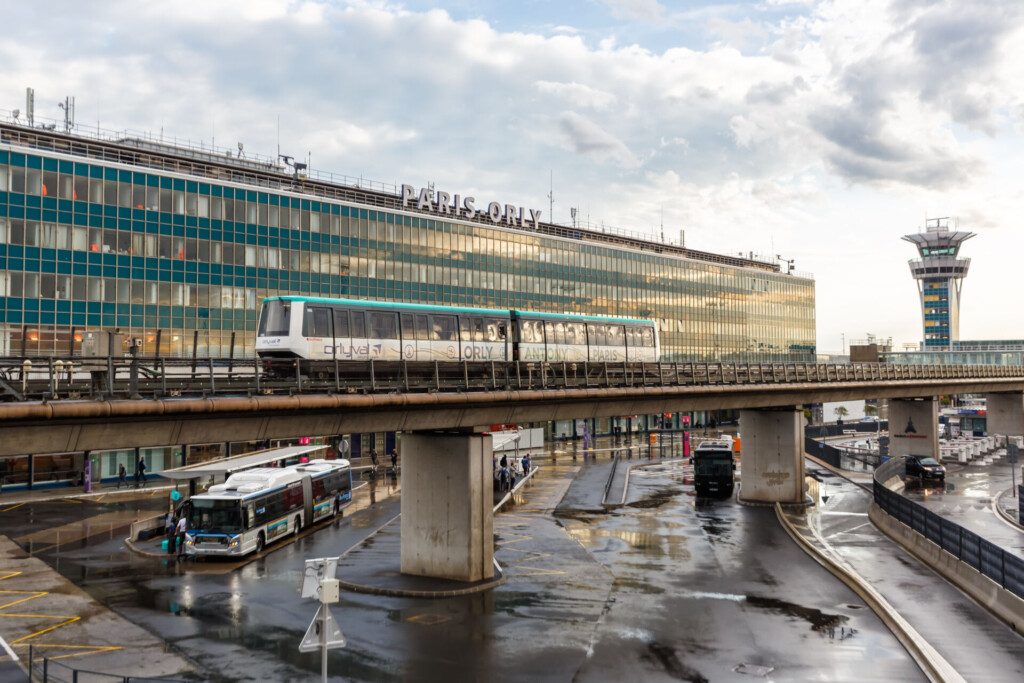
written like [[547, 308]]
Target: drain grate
[[753, 669]]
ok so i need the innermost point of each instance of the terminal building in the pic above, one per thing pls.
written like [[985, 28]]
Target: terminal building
[[177, 246]]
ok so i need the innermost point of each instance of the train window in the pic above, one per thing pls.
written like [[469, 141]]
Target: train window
[[444, 328], [495, 330], [560, 333], [630, 339], [383, 325], [596, 334], [576, 334], [422, 328], [615, 335], [341, 328], [408, 326], [358, 325], [648, 336], [317, 322], [549, 333], [274, 319], [478, 329], [531, 332]]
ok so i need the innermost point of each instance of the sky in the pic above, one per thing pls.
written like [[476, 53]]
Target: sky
[[819, 130]]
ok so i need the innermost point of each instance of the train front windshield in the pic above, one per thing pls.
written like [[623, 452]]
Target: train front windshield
[[215, 516], [274, 319]]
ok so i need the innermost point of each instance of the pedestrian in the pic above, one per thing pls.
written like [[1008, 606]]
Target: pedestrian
[[503, 478], [140, 472], [394, 461], [503, 462], [182, 529], [526, 464], [170, 527], [122, 476], [374, 461]]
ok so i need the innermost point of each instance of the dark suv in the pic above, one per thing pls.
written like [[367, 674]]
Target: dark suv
[[926, 470]]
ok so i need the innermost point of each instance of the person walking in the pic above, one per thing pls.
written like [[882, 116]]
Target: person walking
[[526, 464], [140, 472], [170, 527], [374, 462], [182, 528], [394, 461], [122, 476]]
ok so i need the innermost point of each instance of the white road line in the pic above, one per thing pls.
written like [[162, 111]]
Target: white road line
[[8, 650]]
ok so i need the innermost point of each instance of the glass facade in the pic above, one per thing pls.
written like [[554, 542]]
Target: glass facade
[[185, 258]]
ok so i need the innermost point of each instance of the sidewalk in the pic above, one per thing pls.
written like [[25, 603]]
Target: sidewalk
[[153, 487]]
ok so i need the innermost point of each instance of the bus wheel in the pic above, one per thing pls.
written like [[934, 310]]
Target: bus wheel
[[260, 542]]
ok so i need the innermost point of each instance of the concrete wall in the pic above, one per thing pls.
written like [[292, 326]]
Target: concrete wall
[[1004, 414], [773, 455], [914, 427], [447, 506]]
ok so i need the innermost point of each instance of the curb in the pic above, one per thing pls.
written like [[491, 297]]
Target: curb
[[1002, 514], [145, 553], [410, 593], [508, 496], [934, 665]]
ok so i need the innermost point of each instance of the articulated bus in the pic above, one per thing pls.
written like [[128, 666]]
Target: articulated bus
[[262, 505], [713, 468]]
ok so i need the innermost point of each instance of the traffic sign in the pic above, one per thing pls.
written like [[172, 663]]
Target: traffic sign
[[322, 623], [1012, 452]]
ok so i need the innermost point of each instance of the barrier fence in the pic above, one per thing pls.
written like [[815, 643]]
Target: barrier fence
[[53, 670], [1004, 568], [136, 377]]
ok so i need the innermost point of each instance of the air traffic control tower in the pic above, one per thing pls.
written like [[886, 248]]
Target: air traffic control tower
[[939, 274]]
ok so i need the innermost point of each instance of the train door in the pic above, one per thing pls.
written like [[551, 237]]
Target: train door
[[360, 341], [530, 340], [384, 340], [342, 335], [422, 337], [444, 337], [408, 332]]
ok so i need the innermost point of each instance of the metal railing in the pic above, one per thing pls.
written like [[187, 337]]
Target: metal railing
[[116, 377], [53, 670], [1006, 569]]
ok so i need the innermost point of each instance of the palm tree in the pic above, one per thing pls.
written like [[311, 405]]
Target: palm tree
[[841, 412], [870, 409]]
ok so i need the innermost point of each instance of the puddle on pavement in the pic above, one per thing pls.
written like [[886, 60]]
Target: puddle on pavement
[[666, 657], [819, 621], [655, 500]]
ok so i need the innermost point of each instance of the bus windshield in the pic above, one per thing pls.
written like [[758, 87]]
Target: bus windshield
[[713, 464], [215, 516], [274, 319]]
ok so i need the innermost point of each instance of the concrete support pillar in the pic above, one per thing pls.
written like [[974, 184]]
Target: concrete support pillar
[[447, 506], [1004, 414], [773, 455], [914, 427]]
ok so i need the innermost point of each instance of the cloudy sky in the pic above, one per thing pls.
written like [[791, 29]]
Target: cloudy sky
[[819, 130]]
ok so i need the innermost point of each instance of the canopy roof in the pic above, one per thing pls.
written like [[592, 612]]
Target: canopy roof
[[222, 468]]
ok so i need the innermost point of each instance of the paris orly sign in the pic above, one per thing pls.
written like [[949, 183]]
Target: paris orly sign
[[445, 204]]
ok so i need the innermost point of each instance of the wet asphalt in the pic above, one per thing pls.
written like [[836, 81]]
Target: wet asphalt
[[666, 588], [978, 645]]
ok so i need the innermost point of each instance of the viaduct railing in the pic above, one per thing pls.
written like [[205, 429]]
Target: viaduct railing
[[116, 377], [1006, 569]]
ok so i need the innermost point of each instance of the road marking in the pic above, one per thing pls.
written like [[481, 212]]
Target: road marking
[[67, 619], [13, 506]]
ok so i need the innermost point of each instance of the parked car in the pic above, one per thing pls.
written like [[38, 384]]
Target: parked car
[[925, 469]]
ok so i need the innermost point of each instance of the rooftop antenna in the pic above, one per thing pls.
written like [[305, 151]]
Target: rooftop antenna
[[572, 213], [68, 105], [662, 223], [30, 106], [551, 196], [15, 114], [278, 136], [241, 150]]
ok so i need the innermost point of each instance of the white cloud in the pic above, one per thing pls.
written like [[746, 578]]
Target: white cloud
[[850, 121]]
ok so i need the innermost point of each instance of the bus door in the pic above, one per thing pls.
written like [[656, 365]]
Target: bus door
[[307, 496]]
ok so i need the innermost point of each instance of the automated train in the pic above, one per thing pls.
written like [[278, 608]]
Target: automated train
[[321, 329]]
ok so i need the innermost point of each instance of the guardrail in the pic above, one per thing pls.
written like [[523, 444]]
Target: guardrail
[[116, 377], [51, 670], [1006, 569]]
